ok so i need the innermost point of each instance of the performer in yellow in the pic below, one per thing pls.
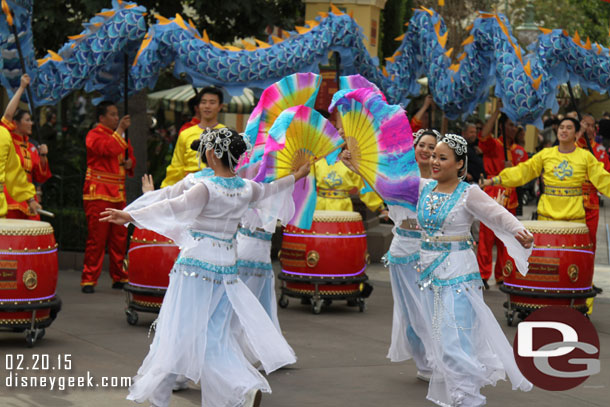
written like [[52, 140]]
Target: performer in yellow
[[13, 176], [566, 167], [334, 184], [184, 159]]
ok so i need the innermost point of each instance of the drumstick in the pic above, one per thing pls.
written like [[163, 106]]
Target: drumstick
[[45, 213]]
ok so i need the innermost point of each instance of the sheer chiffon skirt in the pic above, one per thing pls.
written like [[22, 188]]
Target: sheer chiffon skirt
[[408, 321], [469, 349], [255, 270], [204, 317]]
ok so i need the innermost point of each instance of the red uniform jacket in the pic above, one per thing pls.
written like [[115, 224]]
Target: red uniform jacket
[[105, 178], [590, 197], [36, 168], [193, 122], [493, 163]]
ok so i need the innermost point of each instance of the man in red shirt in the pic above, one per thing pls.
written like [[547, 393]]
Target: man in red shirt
[[494, 163], [104, 187], [591, 199]]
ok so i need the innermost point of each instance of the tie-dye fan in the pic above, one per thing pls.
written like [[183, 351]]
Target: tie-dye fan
[[356, 82], [380, 140], [298, 136], [293, 90]]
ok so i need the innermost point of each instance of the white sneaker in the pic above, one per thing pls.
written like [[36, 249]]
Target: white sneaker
[[424, 375], [253, 398], [182, 383]]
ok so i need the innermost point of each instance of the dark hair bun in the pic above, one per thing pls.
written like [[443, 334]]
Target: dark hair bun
[[195, 145]]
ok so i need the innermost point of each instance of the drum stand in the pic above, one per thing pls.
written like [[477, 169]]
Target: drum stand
[[34, 330], [134, 305], [523, 310], [317, 297]]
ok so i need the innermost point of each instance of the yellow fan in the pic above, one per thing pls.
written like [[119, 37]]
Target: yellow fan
[[361, 139], [299, 135]]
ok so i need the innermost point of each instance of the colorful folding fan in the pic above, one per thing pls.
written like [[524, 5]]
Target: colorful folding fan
[[293, 90], [380, 140], [356, 82], [298, 136]]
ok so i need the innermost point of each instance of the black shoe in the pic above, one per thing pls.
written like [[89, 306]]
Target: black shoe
[[87, 289], [599, 290], [118, 285], [485, 284]]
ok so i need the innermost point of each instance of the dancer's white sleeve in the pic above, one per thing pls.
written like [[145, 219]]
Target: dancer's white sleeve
[[269, 203], [504, 225], [172, 217]]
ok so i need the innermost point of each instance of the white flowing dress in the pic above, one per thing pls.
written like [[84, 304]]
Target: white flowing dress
[[206, 305], [408, 314], [469, 349], [255, 269]]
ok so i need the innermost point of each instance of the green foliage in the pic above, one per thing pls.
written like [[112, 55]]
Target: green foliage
[[223, 20], [393, 17], [589, 17]]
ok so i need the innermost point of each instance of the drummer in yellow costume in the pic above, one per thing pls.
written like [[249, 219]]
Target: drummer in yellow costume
[[334, 184], [566, 167], [13, 177], [184, 160]]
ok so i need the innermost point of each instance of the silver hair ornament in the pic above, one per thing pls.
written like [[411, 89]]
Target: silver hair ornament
[[219, 141], [421, 132], [455, 142]]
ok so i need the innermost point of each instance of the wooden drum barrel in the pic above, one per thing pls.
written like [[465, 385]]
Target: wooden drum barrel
[[28, 275], [560, 268], [328, 261], [151, 258]]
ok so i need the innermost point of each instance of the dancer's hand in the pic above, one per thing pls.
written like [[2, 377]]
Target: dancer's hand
[[501, 198], [345, 157], [485, 182], [525, 238], [302, 172], [115, 216], [147, 183]]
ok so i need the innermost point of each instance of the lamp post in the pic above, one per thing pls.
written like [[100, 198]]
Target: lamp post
[[527, 32]]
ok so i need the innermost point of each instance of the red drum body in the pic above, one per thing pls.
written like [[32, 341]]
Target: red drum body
[[326, 262], [28, 275], [560, 268], [151, 258]]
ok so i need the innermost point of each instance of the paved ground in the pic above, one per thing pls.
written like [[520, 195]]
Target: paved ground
[[341, 354]]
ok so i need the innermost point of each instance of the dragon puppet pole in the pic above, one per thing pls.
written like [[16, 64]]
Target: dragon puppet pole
[[22, 61], [573, 100], [126, 97]]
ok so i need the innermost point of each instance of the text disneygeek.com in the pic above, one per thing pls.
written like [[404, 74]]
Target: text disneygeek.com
[[27, 371]]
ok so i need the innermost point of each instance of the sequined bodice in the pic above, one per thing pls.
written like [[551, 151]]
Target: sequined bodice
[[434, 208]]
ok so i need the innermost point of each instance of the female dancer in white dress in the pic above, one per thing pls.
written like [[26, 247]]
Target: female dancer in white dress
[[255, 269], [468, 348], [196, 335], [402, 259]]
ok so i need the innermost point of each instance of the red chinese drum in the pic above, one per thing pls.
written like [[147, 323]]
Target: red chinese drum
[[560, 268], [151, 258], [28, 273], [333, 250]]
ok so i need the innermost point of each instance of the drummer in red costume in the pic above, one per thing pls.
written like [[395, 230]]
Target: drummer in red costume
[[493, 163], [33, 160], [591, 199], [105, 188]]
